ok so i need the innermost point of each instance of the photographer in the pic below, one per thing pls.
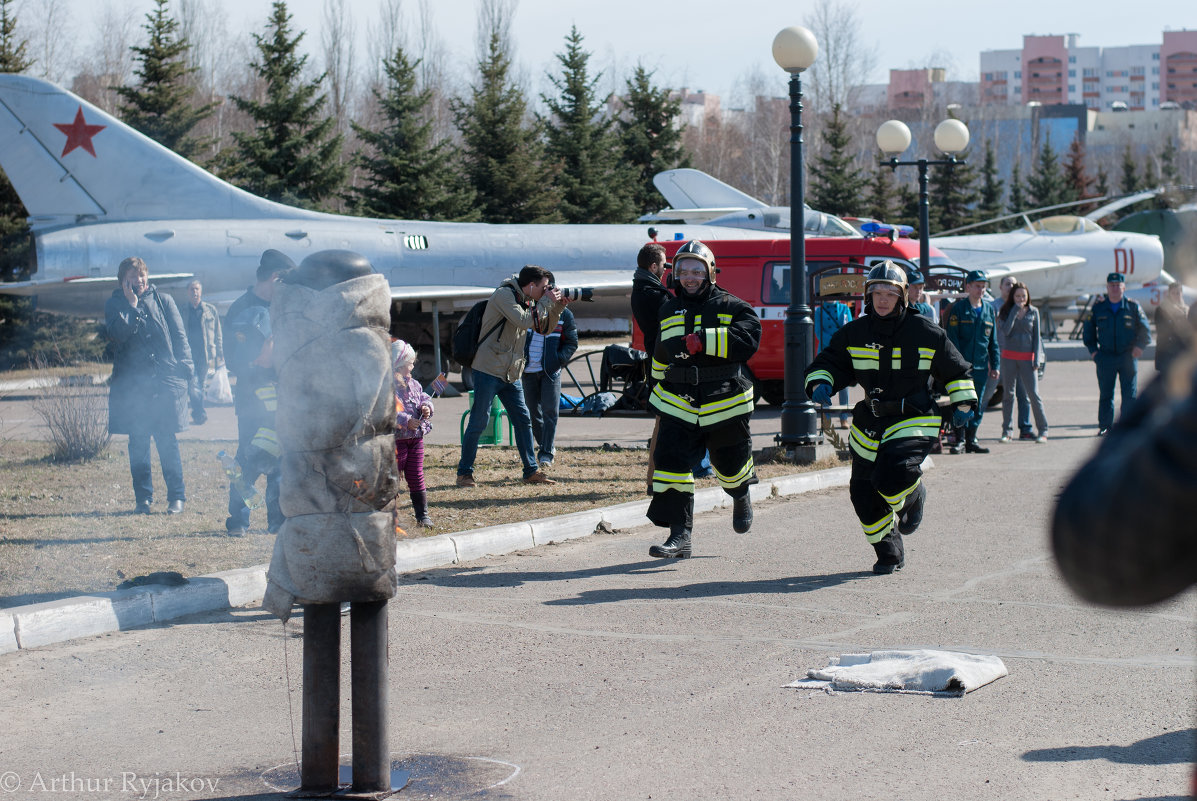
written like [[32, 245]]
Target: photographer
[[522, 303], [544, 355], [151, 372]]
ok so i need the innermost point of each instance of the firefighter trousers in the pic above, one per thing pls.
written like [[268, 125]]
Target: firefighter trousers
[[879, 488], [679, 447]]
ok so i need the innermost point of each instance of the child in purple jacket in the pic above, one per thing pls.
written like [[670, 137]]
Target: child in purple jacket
[[413, 419]]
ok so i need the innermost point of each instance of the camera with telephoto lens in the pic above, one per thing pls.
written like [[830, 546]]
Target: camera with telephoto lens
[[577, 293]]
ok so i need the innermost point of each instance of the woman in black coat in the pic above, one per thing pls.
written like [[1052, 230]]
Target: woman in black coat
[[151, 371]]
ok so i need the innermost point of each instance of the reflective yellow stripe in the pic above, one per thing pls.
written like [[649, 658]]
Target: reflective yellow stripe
[[718, 411], [863, 445], [896, 502], [269, 397], [896, 361], [267, 440], [913, 427], [681, 482], [819, 375], [875, 532], [658, 369], [731, 482], [961, 391], [925, 357], [863, 353], [673, 326], [673, 405]]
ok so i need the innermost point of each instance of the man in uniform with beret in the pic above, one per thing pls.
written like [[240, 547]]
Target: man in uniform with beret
[[971, 324], [1115, 334]]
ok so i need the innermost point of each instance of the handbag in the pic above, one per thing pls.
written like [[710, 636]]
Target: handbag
[[218, 391]]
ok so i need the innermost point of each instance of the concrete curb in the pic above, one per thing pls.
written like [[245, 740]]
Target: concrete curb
[[30, 626]]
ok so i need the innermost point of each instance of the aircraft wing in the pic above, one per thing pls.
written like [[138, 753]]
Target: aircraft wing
[[690, 216], [1027, 266], [605, 283]]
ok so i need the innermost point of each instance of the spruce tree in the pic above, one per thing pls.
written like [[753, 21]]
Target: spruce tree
[[1130, 174], [652, 142], [161, 105], [1102, 187], [292, 154], [880, 201], [504, 157], [407, 175], [1046, 183], [907, 203], [992, 187], [836, 185], [1169, 171], [594, 180], [1016, 203], [1076, 177], [953, 192]]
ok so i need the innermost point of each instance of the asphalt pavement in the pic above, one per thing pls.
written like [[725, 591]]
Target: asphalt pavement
[[586, 670]]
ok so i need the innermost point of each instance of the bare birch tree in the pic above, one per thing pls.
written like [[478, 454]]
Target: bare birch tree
[[844, 62]]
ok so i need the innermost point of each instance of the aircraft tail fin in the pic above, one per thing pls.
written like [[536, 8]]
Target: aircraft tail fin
[[70, 162], [694, 189]]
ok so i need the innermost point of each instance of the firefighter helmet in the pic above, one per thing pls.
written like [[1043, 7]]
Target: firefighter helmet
[[887, 273], [697, 250]]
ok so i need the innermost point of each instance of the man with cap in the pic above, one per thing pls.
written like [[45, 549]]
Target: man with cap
[[972, 327], [918, 303], [891, 352], [1115, 334], [248, 358]]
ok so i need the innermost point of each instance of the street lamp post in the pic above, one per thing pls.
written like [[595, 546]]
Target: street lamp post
[[794, 50], [893, 137]]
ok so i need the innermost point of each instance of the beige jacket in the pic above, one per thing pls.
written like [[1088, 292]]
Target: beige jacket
[[502, 353]]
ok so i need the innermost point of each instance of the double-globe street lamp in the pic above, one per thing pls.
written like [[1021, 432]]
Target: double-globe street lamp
[[794, 50], [951, 137]]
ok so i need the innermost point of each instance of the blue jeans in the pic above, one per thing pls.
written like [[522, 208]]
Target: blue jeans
[[140, 467], [486, 388], [542, 394], [1111, 366]]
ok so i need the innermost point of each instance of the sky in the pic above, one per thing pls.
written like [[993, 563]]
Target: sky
[[711, 45]]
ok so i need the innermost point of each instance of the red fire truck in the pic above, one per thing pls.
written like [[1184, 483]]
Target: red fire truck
[[758, 271]]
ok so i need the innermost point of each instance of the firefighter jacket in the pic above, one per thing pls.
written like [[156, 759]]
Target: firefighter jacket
[[710, 387], [891, 359], [1116, 332], [974, 335]]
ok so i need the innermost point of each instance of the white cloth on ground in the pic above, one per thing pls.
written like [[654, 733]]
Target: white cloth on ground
[[921, 672]]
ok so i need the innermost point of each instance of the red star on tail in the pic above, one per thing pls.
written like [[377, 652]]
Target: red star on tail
[[79, 133]]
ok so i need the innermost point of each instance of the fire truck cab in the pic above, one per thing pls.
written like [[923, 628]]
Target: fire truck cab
[[758, 271]]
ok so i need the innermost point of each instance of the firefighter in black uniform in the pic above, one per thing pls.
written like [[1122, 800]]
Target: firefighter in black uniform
[[890, 352], [703, 398]]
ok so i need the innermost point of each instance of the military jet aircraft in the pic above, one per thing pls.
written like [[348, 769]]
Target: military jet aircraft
[[97, 191]]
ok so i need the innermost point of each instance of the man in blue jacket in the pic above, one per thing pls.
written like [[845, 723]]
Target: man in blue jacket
[[972, 327], [1115, 334]]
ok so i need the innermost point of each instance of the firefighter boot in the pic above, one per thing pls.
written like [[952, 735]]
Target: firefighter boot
[[742, 514], [676, 547], [890, 554], [419, 507], [912, 513]]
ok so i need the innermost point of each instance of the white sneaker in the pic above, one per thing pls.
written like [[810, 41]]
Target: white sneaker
[[1005, 438], [1041, 438]]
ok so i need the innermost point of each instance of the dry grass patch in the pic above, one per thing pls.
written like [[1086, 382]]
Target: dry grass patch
[[68, 528]]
